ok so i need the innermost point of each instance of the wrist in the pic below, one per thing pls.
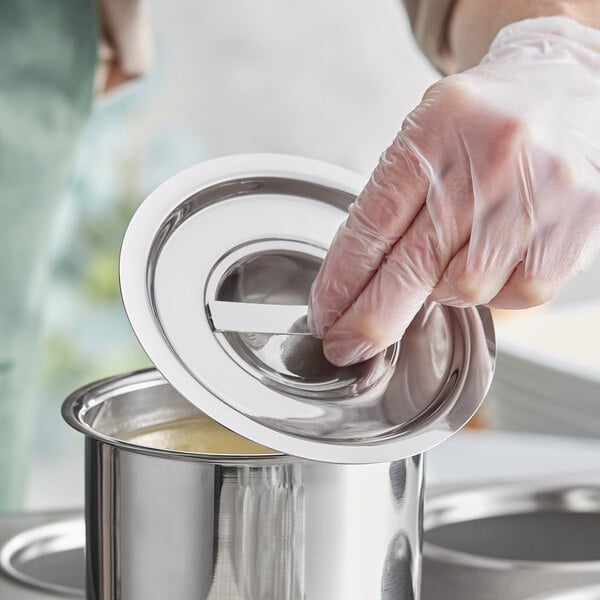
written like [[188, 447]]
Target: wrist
[[475, 23]]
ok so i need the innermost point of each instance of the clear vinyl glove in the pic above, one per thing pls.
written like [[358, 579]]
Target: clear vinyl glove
[[489, 195]]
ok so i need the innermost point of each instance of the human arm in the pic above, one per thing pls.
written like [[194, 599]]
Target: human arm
[[456, 34], [490, 193], [125, 46], [474, 24]]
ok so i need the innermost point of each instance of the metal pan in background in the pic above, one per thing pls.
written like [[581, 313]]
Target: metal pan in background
[[41, 556], [511, 541]]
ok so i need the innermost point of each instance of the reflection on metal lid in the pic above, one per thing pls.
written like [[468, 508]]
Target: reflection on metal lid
[[209, 264]]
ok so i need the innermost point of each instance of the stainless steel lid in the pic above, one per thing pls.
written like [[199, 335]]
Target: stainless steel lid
[[216, 269]]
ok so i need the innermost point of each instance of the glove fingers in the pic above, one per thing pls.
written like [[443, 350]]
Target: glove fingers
[[380, 216], [461, 285], [555, 255], [523, 291], [395, 294], [497, 244]]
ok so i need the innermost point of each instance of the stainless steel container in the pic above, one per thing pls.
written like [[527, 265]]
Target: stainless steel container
[[512, 541], [164, 524]]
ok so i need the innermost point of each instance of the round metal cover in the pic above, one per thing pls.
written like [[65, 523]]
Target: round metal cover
[[216, 268]]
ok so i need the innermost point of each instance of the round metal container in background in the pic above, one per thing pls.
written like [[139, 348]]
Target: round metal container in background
[[167, 524], [41, 556], [216, 269], [512, 541]]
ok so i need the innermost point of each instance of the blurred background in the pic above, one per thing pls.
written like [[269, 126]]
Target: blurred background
[[321, 78]]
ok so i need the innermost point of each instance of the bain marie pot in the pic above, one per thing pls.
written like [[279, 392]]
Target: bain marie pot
[[167, 524]]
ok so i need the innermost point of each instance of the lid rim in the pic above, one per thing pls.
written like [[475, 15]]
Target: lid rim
[[141, 309]]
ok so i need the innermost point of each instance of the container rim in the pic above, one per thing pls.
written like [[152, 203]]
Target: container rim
[[87, 397], [57, 535], [451, 505]]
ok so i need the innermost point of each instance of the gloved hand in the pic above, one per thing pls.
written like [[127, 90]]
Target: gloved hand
[[490, 194]]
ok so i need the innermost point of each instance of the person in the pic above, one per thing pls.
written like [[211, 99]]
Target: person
[[490, 193], [55, 56]]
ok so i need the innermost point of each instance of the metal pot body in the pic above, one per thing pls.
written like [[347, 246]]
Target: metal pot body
[[164, 524]]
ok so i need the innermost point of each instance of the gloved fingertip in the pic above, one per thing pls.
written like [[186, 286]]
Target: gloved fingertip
[[468, 290], [313, 324], [535, 291], [347, 349]]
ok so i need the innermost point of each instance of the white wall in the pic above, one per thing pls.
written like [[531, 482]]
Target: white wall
[[330, 79]]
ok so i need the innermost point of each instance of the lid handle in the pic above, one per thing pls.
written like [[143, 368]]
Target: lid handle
[[246, 317]]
